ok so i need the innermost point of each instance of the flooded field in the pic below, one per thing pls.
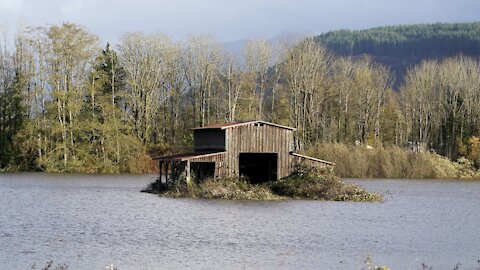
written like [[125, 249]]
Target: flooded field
[[89, 222]]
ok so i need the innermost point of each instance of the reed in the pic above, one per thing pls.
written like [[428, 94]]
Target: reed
[[392, 162]]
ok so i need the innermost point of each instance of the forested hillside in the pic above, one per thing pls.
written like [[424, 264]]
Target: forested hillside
[[69, 103], [400, 47]]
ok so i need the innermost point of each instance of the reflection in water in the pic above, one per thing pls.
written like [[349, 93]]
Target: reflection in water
[[89, 222]]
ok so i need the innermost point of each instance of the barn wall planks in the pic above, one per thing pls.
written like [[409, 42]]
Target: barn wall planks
[[219, 160]]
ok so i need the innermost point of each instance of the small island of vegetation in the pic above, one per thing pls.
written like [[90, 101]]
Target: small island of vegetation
[[305, 182]]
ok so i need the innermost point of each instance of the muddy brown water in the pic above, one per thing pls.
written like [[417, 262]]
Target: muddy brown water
[[89, 222]]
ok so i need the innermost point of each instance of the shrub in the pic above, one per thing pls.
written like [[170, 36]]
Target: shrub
[[317, 184], [222, 188]]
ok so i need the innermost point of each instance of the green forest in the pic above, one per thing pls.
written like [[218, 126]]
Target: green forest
[[400, 47], [424, 40], [71, 104]]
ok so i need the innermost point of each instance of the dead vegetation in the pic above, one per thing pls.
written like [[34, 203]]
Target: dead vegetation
[[392, 162], [305, 183]]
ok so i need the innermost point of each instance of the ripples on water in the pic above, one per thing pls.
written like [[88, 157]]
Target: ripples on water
[[89, 222]]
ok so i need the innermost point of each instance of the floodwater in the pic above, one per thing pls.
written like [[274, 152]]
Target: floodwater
[[89, 222]]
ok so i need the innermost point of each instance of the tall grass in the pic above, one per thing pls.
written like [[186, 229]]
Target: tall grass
[[391, 162]]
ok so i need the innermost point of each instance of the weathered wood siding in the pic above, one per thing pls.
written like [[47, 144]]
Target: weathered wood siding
[[209, 140], [219, 160], [258, 138]]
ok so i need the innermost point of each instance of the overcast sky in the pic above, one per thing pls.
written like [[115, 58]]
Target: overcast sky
[[233, 20]]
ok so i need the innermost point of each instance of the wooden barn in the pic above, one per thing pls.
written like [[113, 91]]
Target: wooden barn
[[258, 150]]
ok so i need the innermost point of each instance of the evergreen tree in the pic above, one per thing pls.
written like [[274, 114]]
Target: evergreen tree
[[12, 114]]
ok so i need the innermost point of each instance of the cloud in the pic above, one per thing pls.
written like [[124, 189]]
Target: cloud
[[233, 20], [11, 4], [74, 5]]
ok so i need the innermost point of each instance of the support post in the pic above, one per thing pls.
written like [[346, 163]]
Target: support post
[[160, 170], [167, 176], [174, 170], [187, 172]]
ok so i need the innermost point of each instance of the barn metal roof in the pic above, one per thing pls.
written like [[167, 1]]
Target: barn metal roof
[[241, 123]]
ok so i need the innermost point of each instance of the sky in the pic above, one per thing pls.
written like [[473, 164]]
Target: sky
[[232, 20]]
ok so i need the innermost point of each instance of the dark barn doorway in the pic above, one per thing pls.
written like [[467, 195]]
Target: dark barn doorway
[[258, 167], [202, 170]]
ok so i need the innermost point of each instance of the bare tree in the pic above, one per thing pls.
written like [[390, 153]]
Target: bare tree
[[371, 82], [420, 98], [440, 100], [143, 58], [234, 81], [258, 59], [201, 65], [305, 70], [71, 51]]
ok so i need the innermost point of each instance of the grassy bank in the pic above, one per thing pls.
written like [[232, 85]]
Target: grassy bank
[[305, 183], [392, 162], [134, 164]]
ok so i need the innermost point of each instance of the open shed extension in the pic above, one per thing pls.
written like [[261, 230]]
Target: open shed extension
[[190, 165]]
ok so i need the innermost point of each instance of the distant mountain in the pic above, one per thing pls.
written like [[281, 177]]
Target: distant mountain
[[400, 47], [235, 47]]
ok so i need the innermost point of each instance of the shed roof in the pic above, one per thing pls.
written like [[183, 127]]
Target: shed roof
[[188, 156], [313, 159], [242, 123]]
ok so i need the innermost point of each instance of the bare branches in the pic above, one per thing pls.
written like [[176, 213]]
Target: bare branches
[[143, 59], [441, 102]]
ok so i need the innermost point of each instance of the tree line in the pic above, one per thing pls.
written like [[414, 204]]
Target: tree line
[[425, 40], [67, 104]]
